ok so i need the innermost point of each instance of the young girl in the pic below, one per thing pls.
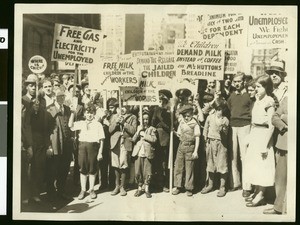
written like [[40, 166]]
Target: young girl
[[90, 148], [189, 136], [215, 135]]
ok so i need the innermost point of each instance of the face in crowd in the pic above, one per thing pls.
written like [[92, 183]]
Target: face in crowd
[[31, 88], [187, 116], [238, 83], [211, 84], [112, 109], [89, 114], [60, 99], [251, 91], [124, 110], [276, 79], [260, 90], [56, 85], [86, 90], [145, 120], [47, 87]]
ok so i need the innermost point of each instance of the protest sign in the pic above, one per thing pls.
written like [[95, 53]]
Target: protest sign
[[268, 31], [154, 65], [113, 72], [75, 44], [139, 95], [199, 59], [231, 61], [37, 64], [69, 65]]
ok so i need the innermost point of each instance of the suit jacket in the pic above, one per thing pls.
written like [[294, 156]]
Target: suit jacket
[[124, 132], [149, 141], [279, 120], [161, 120], [57, 138]]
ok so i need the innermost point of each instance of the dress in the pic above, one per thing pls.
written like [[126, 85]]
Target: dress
[[261, 171]]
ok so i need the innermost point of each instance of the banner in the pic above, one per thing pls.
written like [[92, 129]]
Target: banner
[[268, 31], [154, 65], [75, 44], [200, 59], [231, 61]]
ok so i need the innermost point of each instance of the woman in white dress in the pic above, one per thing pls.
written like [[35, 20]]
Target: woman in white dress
[[260, 155]]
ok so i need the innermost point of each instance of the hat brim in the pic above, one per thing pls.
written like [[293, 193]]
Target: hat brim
[[185, 92]]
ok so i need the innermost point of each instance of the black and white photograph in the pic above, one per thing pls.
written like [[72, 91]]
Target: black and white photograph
[[154, 112]]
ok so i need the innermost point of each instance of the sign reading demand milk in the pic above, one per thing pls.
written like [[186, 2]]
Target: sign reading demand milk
[[75, 44]]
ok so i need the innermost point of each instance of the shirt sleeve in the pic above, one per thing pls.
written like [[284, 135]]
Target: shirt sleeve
[[77, 125], [197, 131], [101, 134]]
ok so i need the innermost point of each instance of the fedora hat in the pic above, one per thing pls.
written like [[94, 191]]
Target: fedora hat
[[165, 94], [183, 92], [277, 67]]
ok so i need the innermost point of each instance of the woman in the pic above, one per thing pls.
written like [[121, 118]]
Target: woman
[[260, 155]]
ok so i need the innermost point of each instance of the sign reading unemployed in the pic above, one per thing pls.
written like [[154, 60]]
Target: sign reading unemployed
[[199, 59], [268, 31], [75, 44]]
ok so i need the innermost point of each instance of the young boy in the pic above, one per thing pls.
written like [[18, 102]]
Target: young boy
[[215, 135], [189, 136], [90, 148], [144, 150]]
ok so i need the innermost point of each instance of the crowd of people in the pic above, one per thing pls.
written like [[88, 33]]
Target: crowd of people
[[230, 138]]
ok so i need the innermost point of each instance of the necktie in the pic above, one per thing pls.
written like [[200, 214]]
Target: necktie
[[62, 109]]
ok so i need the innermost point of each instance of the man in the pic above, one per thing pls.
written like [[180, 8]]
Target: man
[[280, 121], [30, 85], [47, 88], [60, 155], [277, 73], [161, 120], [239, 104]]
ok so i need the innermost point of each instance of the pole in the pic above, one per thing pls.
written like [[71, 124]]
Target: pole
[[171, 149], [75, 80]]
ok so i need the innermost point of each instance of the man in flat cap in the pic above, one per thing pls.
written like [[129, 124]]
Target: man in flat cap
[[60, 155], [189, 135], [161, 120], [31, 86]]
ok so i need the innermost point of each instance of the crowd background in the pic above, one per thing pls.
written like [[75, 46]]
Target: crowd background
[[228, 137]]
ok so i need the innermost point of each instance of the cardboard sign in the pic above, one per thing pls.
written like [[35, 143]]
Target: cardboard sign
[[154, 65], [231, 61], [113, 72], [139, 96], [268, 31], [76, 44], [37, 64], [199, 59]]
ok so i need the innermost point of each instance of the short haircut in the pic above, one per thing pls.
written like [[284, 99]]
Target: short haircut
[[266, 82], [47, 80], [90, 108]]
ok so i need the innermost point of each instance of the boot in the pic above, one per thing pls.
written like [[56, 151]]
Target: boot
[[222, 191]]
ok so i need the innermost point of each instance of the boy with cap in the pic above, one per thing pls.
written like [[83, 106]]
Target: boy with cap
[[144, 151], [189, 136]]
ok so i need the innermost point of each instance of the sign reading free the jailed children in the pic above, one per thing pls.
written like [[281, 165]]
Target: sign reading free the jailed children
[[76, 44], [200, 59]]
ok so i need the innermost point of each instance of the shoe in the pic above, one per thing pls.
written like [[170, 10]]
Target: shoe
[[175, 191], [81, 195], [123, 192], [206, 190], [221, 192], [165, 189], [271, 212], [148, 194], [115, 191], [249, 199], [189, 193], [138, 193], [93, 195], [259, 203], [246, 193]]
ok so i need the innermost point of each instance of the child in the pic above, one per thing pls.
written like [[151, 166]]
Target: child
[[215, 135], [144, 150], [90, 136], [189, 136]]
